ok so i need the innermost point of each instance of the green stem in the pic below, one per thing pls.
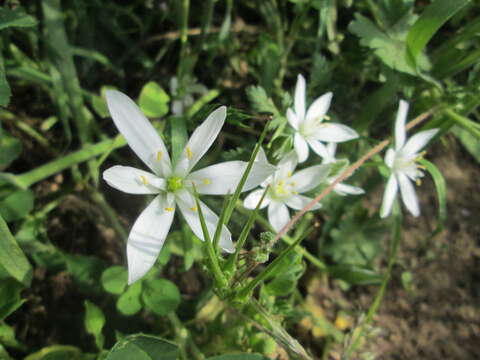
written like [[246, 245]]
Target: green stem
[[184, 338]]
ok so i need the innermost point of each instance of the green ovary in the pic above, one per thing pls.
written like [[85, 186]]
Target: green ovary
[[174, 184]]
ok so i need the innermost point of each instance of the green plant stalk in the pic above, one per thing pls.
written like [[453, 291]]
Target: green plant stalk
[[211, 253], [221, 219], [232, 261], [184, 338], [238, 190], [464, 122], [205, 99], [381, 292], [206, 21], [29, 178], [247, 289]]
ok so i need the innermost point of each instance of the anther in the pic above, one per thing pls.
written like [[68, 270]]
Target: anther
[[159, 155], [206, 181], [189, 152], [144, 180], [169, 209]]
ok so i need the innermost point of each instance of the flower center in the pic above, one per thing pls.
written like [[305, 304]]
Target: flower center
[[283, 189], [174, 183]]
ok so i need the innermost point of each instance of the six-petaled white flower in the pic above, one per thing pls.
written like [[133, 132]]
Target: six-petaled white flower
[[171, 184], [310, 129], [340, 188], [403, 164], [285, 189]]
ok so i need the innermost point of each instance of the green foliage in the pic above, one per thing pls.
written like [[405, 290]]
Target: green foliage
[[16, 205], [153, 100], [260, 101], [15, 18], [160, 296], [129, 303], [238, 357], [10, 299], [114, 279], [94, 322], [10, 147], [143, 347], [12, 258]]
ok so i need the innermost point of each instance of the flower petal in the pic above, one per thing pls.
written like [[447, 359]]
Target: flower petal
[[400, 132], [309, 178], [253, 199], [418, 141], [320, 149], [334, 132], [293, 119], [319, 107], [187, 205], [300, 95], [409, 196], [223, 178], [286, 166], [147, 237], [132, 180], [345, 189], [139, 132], [390, 157], [202, 138], [301, 147], [278, 215], [298, 202], [389, 196]]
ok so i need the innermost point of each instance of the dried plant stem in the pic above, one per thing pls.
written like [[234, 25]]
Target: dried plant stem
[[346, 174]]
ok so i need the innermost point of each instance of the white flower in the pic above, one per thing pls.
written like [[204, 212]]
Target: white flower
[[310, 130], [171, 184], [182, 101], [340, 188], [285, 189], [403, 164]]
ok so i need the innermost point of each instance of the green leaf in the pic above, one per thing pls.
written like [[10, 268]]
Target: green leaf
[[355, 275], [143, 347], [9, 297], [243, 356], [12, 258], [10, 147], [434, 16], [15, 17], [389, 46], [114, 279], [129, 302], [160, 296], [441, 187], [153, 100], [17, 205], [85, 270], [57, 352], [94, 322], [7, 336], [259, 100], [5, 91], [469, 141]]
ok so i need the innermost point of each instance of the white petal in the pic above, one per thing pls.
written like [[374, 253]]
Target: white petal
[[253, 199], [332, 149], [300, 95], [147, 237], [418, 141], [400, 132], [298, 202], [334, 132], [203, 137], [301, 147], [409, 196], [223, 178], [261, 157], [138, 131], [390, 157], [186, 203], [293, 119], [133, 181], [320, 149], [319, 107], [309, 178], [286, 166], [389, 196], [278, 215], [345, 189]]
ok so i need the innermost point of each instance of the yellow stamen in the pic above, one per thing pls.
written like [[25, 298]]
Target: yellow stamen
[[144, 180], [418, 182], [206, 181], [289, 174], [326, 117], [293, 183], [169, 208], [194, 209], [159, 155], [189, 152]]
